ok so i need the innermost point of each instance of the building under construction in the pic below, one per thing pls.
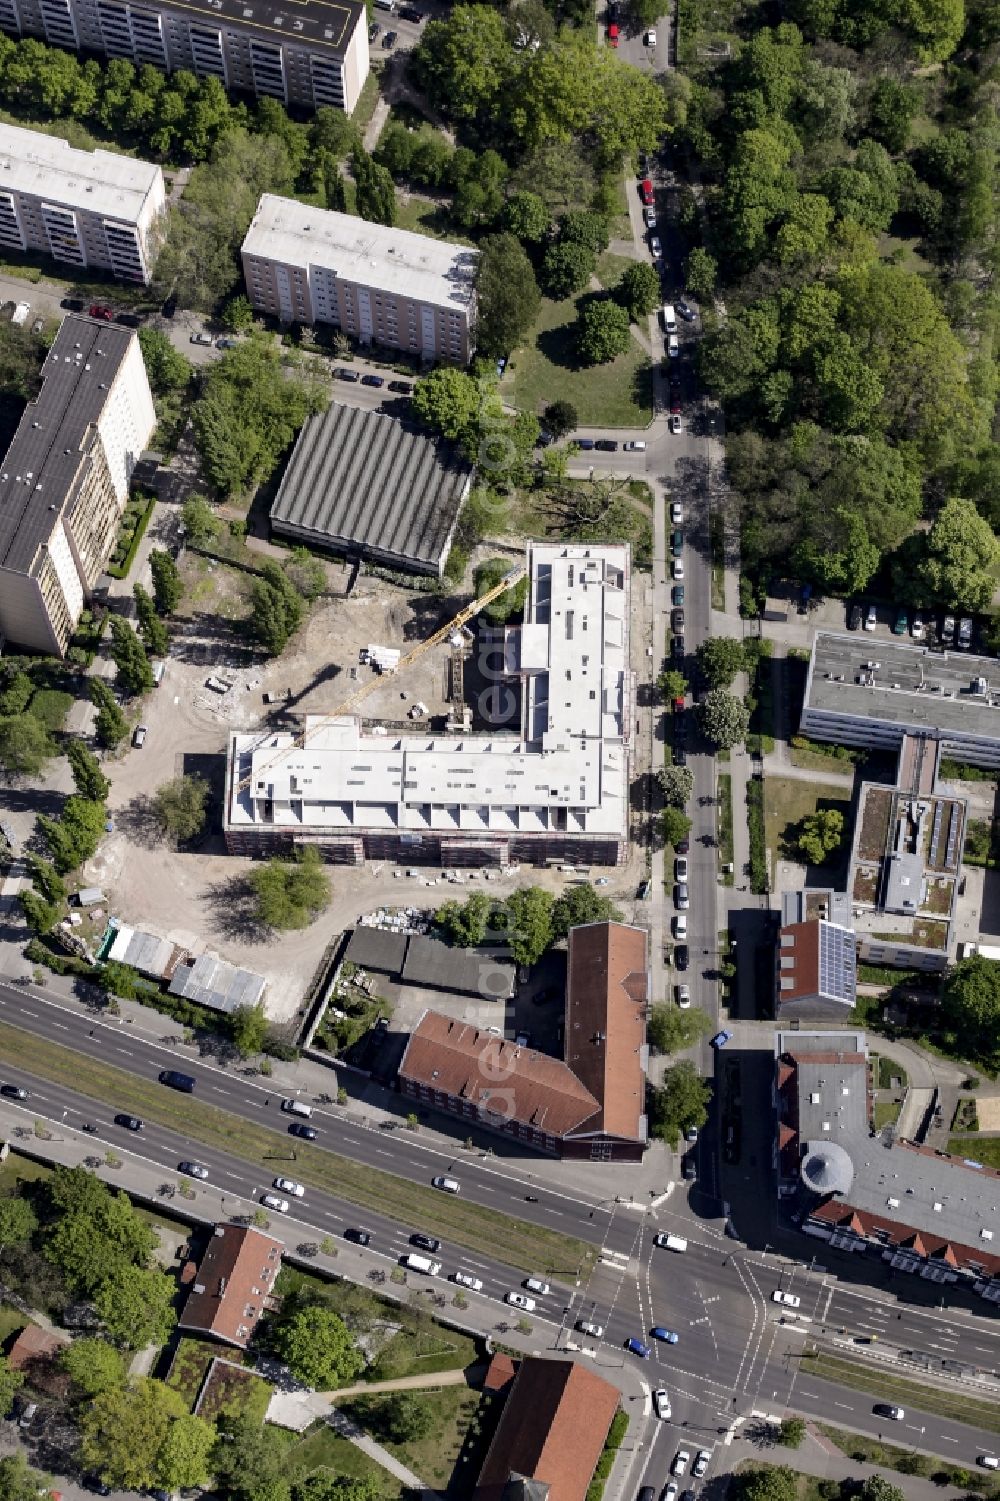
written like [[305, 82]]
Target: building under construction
[[556, 791]]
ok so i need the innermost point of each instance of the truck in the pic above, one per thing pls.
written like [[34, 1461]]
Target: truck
[[421, 1264]]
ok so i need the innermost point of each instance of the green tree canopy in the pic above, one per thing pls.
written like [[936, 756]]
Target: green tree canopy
[[249, 1463], [375, 191], [136, 1306], [183, 1460], [94, 1366], [11, 1382], [670, 1030], [315, 1344], [528, 917], [567, 268], [526, 216], [768, 1483], [200, 522], [277, 608], [961, 553], [677, 783], [75, 835], [248, 1029], [720, 659], [25, 746], [110, 724], [167, 586], [155, 636], [681, 1101], [970, 1005], [639, 291], [675, 826], [723, 718], [166, 367], [88, 778], [465, 924], [581, 904], [181, 807], [508, 295], [134, 674], [291, 894], [819, 834], [560, 417], [448, 401], [510, 603], [602, 331], [18, 1481], [123, 1430], [18, 1222]]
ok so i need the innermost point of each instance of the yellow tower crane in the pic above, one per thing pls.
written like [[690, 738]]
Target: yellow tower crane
[[509, 581]]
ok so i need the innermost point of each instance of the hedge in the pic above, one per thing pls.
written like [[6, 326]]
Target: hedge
[[758, 845], [120, 570]]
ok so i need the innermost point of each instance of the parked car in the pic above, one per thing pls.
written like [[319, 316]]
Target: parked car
[[676, 542], [307, 1133], [677, 620], [99, 310], [673, 347], [902, 624], [389, 39], [466, 1279], [606, 445], [678, 754], [669, 1492], [72, 304], [373, 32], [661, 1404], [139, 736], [701, 1462], [680, 868], [649, 217], [655, 248], [917, 627], [682, 995], [682, 900], [520, 1300], [613, 35], [401, 387], [691, 1135], [373, 380], [676, 513], [358, 1237], [682, 957], [646, 191], [226, 342], [681, 1461], [677, 647], [343, 373], [289, 1186], [685, 310], [965, 633], [677, 568], [272, 1201], [855, 618], [411, 13], [871, 618], [38, 325], [649, 40], [202, 338], [679, 925], [193, 1170], [676, 424], [948, 629], [720, 1039], [677, 595]]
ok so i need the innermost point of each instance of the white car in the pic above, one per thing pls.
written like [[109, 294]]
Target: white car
[[271, 1201], [676, 513], [917, 627], [681, 868], [655, 248], [681, 1461], [669, 1492], [679, 926], [447, 1185], [289, 1186], [466, 1279], [789, 1300], [649, 217], [202, 338], [673, 347], [988, 1462], [682, 900], [677, 568], [584, 1326], [691, 1134], [661, 1403], [536, 1285], [676, 423], [871, 618], [518, 1300], [682, 994], [649, 40], [701, 1462]]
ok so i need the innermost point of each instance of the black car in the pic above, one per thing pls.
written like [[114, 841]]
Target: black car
[[373, 380], [128, 320], [96, 1484], [169, 308], [176, 1080], [389, 38], [677, 620], [14, 1091], [646, 1493], [342, 373], [677, 646], [130, 1122], [72, 304], [682, 955], [425, 1242], [401, 387], [677, 594], [679, 755], [411, 13], [690, 1168], [607, 445], [854, 618], [307, 1133], [685, 311], [373, 31], [359, 1237], [677, 542]]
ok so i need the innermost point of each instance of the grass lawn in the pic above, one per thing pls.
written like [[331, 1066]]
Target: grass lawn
[[611, 268], [618, 394], [425, 217], [472, 1225], [11, 1322], [886, 1113], [787, 801], [817, 760], [322, 1449], [16, 1170], [725, 831], [963, 1407], [890, 1456], [50, 706], [367, 99], [433, 1457], [984, 1149]]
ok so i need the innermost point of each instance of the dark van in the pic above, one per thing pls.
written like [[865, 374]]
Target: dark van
[[183, 1082]]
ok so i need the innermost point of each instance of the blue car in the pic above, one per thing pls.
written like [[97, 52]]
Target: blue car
[[667, 1335], [636, 1347], [720, 1039]]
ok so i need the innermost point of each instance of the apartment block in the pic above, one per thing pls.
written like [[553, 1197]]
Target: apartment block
[[87, 208], [306, 53], [379, 284], [64, 479]]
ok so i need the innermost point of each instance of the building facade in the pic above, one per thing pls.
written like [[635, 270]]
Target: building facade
[[558, 791], [64, 479], [307, 53], [87, 208], [380, 285]]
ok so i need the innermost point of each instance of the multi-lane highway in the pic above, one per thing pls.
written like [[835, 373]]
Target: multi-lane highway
[[733, 1355]]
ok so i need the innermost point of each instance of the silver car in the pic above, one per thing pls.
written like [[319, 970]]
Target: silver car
[[193, 1170]]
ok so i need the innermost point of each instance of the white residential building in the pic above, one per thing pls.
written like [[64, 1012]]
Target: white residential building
[[558, 790], [90, 208], [64, 479], [379, 284]]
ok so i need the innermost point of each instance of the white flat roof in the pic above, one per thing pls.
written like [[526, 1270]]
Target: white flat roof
[[375, 255], [99, 182]]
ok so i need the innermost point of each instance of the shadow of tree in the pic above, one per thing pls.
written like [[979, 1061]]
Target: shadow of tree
[[140, 822], [233, 905]]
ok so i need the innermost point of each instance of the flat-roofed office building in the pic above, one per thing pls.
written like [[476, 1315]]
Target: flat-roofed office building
[[88, 208], [379, 284], [64, 479], [304, 52]]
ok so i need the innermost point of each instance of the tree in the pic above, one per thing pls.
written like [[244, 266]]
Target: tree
[[639, 290], [525, 215], [448, 401], [307, 573], [528, 917], [110, 724], [671, 684], [961, 551], [89, 781], [581, 904], [123, 1430], [200, 523], [94, 1366], [19, 1482], [402, 1418], [819, 834], [18, 1223], [559, 418], [290, 894], [791, 1432], [248, 1464], [25, 746], [670, 1030], [723, 718], [136, 1306], [681, 1101], [675, 826], [167, 586], [465, 924], [276, 609], [768, 1483], [891, 109], [677, 783], [182, 1462], [248, 1029], [877, 1488], [375, 191], [40, 915], [720, 659], [180, 807], [17, 691], [73, 838], [166, 367], [602, 331], [154, 633], [10, 1384], [567, 268], [970, 1005], [315, 1344], [322, 1485], [237, 315], [134, 672], [464, 61], [510, 603], [90, 1232], [508, 295], [936, 24]]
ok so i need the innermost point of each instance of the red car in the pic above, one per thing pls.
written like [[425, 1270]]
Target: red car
[[646, 190], [98, 310], [612, 35]]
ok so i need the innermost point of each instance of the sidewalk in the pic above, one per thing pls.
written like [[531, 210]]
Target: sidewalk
[[820, 1457]]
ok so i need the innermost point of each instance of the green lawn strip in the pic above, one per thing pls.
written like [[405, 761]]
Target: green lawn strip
[[717, 543], [726, 827], [886, 1113], [960, 1406], [811, 760], [611, 267], [434, 1457], [984, 1149], [471, 1225], [860, 1447], [322, 1449]]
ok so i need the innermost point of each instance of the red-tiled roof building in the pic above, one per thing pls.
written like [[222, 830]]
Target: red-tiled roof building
[[231, 1284]]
